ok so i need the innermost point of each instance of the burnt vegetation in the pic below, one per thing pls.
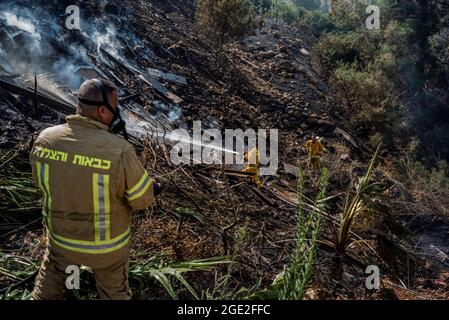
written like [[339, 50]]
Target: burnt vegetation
[[378, 97]]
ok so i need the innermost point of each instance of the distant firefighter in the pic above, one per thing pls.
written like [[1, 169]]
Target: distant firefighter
[[315, 149], [253, 159]]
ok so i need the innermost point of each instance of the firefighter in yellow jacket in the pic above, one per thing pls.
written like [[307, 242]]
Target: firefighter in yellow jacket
[[315, 149], [91, 180]]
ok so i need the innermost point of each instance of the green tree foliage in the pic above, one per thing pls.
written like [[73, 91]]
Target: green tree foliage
[[292, 12], [287, 12], [398, 72], [224, 20], [308, 4], [262, 6], [428, 80], [292, 282]]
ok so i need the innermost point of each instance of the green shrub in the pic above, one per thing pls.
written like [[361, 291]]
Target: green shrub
[[308, 4], [287, 12], [292, 282], [262, 6], [308, 228], [368, 104], [335, 49], [350, 15], [224, 20], [319, 22]]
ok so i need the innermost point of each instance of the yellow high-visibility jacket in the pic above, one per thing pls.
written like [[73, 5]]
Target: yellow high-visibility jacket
[[314, 148], [253, 159], [91, 181]]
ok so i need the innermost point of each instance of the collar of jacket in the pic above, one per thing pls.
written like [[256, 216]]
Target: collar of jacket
[[81, 120]]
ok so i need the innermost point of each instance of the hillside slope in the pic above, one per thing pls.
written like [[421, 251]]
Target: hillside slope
[[269, 80]]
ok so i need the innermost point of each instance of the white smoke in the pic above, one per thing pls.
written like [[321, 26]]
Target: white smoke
[[48, 84], [34, 42], [107, 39], [22, 24], [174, 114]]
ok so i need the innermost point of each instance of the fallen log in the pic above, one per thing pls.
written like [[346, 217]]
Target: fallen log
[[130, 97], [155, 73], [153, 83], [263, 197], [156, 85], [53, 104], [238, 173]]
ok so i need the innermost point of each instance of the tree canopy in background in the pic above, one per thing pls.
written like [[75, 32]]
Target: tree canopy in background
[[224, 20], [393, 82]]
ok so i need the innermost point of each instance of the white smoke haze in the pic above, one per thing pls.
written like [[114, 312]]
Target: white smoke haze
[[22, 24], [107, 40], [35, 42], [175, 113], [48, 83], [28, 45]]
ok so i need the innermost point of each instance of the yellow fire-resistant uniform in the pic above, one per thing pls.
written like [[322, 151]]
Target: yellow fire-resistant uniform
[[91, 181], [315, 148], [253, 159]]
